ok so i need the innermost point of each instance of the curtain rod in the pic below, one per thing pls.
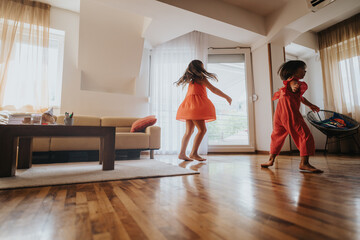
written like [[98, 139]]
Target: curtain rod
[[238, 47]]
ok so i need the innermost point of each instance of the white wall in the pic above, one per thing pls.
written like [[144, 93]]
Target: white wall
[[277, 58], [89, 102], [263, 114], [110, 48], [315, 82], [308, 39], [315, 94], [224, 12], [218, 42]]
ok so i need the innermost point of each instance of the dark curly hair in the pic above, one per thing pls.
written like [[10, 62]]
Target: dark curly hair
[[289, 68], [195, 72]]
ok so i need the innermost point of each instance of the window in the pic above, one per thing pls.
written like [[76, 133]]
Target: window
[[25, 69], [233, 131], [350, 75], [232, 126]]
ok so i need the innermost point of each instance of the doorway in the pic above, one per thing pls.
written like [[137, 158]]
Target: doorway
[[233, 131]]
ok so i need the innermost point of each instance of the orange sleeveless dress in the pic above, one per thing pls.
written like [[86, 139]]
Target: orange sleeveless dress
[[196, 105]]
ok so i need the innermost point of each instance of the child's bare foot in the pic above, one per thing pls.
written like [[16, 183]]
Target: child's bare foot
[[309, 168], [184, 157], [267, 164], [270, 162], [197, 157]]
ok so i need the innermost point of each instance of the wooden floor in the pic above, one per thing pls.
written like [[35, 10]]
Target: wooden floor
[[231, 198]]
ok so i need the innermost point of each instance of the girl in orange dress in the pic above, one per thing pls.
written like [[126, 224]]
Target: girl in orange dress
[[288, 119], [196, 109]]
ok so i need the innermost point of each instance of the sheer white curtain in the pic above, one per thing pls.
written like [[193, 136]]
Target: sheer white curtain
[[168, 63], [24, 45], [339, 47]]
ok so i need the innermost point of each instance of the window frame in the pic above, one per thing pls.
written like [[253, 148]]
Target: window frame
[[250, 105]]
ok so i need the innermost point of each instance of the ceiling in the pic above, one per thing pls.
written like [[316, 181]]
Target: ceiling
[[336, 20], [260, 7], [71, 5], [299, 51], [241, 23]]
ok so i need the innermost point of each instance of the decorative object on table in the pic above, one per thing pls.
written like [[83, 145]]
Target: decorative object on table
[[334, 124], [48, 117], [142, 123], [36, 118], [27, 120], [69, 120], [17, 118], [4, 117]]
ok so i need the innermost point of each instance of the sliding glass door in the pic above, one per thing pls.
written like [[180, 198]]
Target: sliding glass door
[[233, 131]]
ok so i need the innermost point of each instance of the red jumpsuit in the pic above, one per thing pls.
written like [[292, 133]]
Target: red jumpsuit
[[288, 120]]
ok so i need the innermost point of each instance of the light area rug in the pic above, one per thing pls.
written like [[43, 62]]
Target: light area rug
[[69, 173]]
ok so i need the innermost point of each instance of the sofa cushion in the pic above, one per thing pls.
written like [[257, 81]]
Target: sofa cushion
[[131, 141], [76, 143], [123, 129], [142, 123], [118, 121], [41, 144], [154, 133]]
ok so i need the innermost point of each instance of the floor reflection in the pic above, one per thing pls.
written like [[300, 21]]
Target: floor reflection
[[281, 192], [183, 164], [193, 165], [196, 167]]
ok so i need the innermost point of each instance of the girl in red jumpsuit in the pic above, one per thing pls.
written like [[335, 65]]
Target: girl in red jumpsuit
[[288, 119]]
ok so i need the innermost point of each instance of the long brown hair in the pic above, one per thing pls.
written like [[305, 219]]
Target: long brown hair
[[289, 68], [195, 72]]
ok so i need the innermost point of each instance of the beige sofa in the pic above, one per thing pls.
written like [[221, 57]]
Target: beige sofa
[[124, 139]]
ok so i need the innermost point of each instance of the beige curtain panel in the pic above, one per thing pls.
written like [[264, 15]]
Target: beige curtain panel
[[25, 23], [340, 60]]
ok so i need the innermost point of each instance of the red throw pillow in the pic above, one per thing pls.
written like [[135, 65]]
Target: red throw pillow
[[142, 123]]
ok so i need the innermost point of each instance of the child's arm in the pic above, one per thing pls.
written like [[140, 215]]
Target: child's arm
[[313, 107], [216, 90]]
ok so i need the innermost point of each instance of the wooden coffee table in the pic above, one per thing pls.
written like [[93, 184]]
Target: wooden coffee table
[[16, 140]]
